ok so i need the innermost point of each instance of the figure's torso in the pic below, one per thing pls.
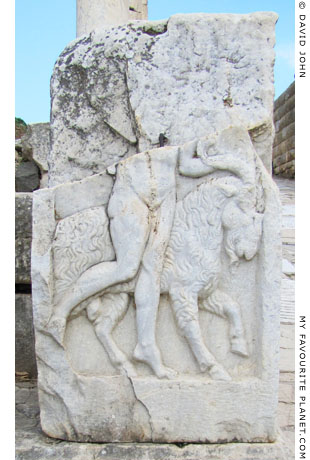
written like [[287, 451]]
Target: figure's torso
[[151, 175]]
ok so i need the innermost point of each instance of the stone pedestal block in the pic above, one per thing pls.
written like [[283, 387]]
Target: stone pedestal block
[[115, 91], [156, 289]]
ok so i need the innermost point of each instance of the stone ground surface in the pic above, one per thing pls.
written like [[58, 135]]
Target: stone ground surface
[[32, 444]]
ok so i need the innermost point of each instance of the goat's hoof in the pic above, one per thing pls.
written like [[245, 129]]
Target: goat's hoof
[[239, 347], [165, 372], [217, 372]]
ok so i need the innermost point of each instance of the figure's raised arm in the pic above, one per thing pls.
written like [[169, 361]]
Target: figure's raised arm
[[232, 163], [191, 162]]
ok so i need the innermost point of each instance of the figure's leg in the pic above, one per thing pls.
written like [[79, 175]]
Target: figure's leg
[[147, 292], [105, 313], [129, 231], [185, 307], [223, 305]]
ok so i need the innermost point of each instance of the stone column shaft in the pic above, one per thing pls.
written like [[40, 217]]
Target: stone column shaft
[[94, 14]]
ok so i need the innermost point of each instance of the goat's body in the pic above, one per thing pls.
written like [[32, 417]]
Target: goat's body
[[191, 270], [191, 273]]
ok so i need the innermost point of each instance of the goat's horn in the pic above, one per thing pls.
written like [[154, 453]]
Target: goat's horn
[[242, 169]]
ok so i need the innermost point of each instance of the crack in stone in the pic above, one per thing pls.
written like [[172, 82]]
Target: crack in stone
[[134, 124], [115, 131], [45, 363], [144, 405]]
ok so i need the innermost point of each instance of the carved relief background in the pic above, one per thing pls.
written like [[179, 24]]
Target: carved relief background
[[208, 282]]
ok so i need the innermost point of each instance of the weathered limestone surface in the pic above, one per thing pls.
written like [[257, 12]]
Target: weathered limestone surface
[[33, 147], [38, 137], [32, 444], [114, 91], [37, 141], [23, 236], [203, 229], [24, 337]]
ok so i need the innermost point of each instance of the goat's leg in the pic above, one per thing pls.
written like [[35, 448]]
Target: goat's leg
[[185, 308], [105, 313], [224, 306]]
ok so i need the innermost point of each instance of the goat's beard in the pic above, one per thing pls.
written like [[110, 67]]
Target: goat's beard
[[230, 242]]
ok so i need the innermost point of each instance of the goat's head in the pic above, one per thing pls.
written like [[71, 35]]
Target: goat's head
[[232, 150], [242, 228]]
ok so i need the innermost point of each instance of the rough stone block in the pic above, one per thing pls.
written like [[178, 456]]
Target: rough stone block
[[283, 168], [280, 160], [285, 133], [284, 147], [37, 139], [115, 91], [285, 96], [156, 301], [286, 392], [288, 268], [283, 109], [27, 177], [25, 360], [40, 141], [286, 414], [35, 145], [285, 120], [291, 156], [23, 236], [289, 172]]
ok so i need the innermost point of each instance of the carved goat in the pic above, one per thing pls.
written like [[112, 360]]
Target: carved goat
[[204, 220]]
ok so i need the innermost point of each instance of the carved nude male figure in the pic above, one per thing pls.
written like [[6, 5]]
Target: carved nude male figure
[[141, 211]]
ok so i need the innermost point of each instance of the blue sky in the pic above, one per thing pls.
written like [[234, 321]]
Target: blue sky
[[44, 28]]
